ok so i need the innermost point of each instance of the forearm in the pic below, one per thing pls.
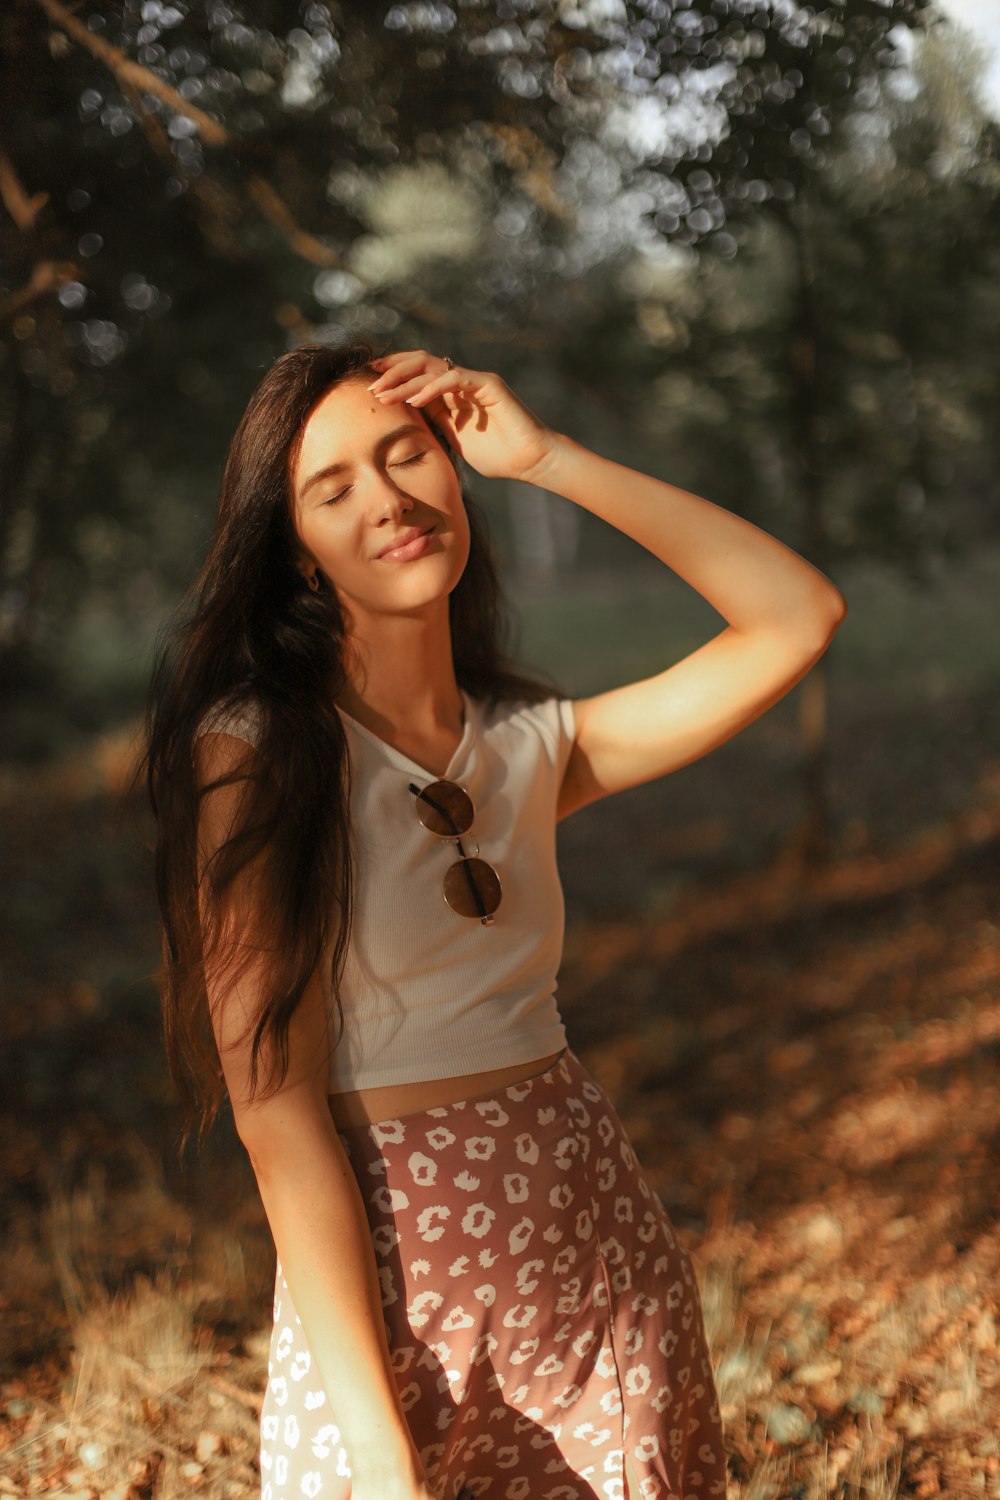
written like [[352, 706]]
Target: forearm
[[323, 1240], [750, 577]]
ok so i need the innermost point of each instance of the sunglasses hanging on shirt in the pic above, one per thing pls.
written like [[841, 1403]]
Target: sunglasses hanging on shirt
[[471, 886]]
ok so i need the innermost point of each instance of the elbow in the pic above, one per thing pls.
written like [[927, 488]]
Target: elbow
[[838, 606], [254, 1143], [256, 1156], [278, 1140], [825, 619], [269, 1163], [259, 1134], [837, 616], [813, 622]]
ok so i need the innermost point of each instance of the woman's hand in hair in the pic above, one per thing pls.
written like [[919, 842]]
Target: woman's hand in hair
[[477, 412]]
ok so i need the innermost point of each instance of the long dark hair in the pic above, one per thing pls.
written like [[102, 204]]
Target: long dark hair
[[249, 634]]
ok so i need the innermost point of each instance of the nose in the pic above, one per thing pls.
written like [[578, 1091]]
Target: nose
[[390, 501]]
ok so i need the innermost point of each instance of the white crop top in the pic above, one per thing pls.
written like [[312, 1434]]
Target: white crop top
[[427, 993]]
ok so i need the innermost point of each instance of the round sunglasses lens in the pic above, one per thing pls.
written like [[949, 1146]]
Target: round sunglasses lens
[[445, 809], [472, 888]]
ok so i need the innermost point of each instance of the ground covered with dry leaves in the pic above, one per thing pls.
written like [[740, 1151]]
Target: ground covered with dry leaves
[[806, 1061]]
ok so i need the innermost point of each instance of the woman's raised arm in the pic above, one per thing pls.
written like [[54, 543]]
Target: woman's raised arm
[[782, 615], [308, 1189], [782, 611]]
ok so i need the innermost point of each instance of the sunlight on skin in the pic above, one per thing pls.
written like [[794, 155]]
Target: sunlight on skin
[[392, 474]]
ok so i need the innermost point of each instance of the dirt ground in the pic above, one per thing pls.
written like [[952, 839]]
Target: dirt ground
[[805, 1059]]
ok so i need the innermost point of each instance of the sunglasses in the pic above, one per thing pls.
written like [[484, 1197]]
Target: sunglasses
[[471, 886]]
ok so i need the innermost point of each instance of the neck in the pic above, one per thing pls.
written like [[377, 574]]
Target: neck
[[400, 674]]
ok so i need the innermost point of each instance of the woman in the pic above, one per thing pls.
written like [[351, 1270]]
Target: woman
[[476, 1288]]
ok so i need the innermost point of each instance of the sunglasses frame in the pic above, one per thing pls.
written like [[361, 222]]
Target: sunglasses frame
[[490, 876]]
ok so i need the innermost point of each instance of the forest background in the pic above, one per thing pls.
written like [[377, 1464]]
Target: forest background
[[750, 247]]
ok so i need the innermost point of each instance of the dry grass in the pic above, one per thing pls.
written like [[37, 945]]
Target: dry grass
[[155, 1405], [808, 1417], [832, 1078], [150, 1406]]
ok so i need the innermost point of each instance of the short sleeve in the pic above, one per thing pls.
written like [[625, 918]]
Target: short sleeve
[[243, 722], [557, 721], [567, 733]]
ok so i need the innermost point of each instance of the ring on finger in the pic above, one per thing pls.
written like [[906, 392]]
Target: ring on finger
[[448, 361]]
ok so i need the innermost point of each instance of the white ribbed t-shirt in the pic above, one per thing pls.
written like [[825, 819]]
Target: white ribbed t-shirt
[[427, 993]]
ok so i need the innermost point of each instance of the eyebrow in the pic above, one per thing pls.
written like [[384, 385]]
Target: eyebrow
[[384, 442]]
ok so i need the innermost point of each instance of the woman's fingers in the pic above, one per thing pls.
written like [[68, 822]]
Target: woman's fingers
[[404, 387], [405, 365], [386, 361], [394, 368], [417, 358], [452, 382], [396, 354], [421, 389]]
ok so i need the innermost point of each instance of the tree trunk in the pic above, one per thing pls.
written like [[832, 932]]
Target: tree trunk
[[810, 844]]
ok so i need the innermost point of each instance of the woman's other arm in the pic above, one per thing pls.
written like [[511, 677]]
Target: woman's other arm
[[782, 615], [309, 1192]]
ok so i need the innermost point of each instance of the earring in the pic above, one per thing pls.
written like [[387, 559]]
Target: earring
[[313, 582]]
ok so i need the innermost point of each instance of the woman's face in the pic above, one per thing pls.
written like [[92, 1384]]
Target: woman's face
[[366, 478]]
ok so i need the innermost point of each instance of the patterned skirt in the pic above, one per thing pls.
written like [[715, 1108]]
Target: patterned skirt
[[542, 1316]]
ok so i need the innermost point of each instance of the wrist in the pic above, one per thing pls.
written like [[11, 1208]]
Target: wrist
[[541, 471], [387, 1462]]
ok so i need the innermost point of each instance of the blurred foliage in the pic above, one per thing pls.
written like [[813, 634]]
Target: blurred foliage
[[750, 249]]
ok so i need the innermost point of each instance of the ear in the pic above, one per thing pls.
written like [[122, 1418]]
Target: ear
[[304, 563]]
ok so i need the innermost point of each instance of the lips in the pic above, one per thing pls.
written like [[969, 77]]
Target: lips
[[405, 538]]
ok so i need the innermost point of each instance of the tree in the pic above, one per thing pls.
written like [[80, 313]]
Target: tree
[[191, 188]]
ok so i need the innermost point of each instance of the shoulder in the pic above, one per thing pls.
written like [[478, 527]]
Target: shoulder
[[552, 718], [219, 750], [550, 722], [244, 720]]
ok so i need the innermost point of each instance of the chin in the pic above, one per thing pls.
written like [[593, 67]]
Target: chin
[[415, 594]]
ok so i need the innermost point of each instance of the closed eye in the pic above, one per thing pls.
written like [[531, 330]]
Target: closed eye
[[403, 463]]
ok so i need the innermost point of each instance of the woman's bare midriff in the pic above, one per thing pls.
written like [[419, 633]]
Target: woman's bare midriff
[[366, 1106]]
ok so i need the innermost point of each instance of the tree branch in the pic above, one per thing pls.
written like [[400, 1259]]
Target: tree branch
[[216, 206], [45, 277], [126, 69], [134, 76], [276, 211], [22, 209]]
